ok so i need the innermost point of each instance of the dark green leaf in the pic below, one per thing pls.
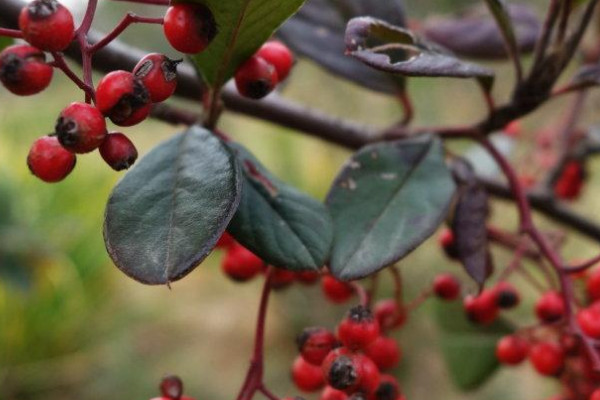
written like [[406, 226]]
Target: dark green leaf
[[278, 223], [468, 349], [387, 200], [243, 26], [167, 213], [398, 51]]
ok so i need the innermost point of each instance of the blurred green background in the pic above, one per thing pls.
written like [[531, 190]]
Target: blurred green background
[[73, 326]]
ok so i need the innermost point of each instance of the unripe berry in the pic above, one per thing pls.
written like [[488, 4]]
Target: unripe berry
[[158, 73], [506, 295], [547, 358], [123, 98], [47, 25], [118, 151], [592, 285], [483, 308], [23, 70], [589, 320], [277, 54], [80, 128], [446, 286], [389, 314], [255, 78], [550, 307], [336, 291], [511, 350], [189, 27], [388, 388], [315, 343], [358, 329], [330, 393], [240, 264], [307, 377], [384, 352], [49, 161]]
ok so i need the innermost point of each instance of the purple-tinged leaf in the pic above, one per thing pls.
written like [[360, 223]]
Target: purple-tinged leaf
[[399, 51], [476, 34]]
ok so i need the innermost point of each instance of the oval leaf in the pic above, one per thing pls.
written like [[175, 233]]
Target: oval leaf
[[387, 200], [317, 32], [167, 213], [243, 26], [284, 227]]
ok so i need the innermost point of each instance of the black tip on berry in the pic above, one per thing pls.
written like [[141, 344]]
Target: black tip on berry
[[67, 131], [304, 336], [386, 391], [40, 9], [11, 65], [171, 387], [507, 299], [130, 103], [342, 373], [360, 314], [208, 27], [259, 88]]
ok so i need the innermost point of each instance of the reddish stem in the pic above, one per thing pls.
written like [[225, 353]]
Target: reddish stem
[[363, 296], [150, 2], [11, 33], [420, 299], [583, 266], [60, 63], [127, 20]]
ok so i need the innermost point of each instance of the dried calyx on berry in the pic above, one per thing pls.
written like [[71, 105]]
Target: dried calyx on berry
[[342, 373], [359, 328], [80, 128], [315, 343], [118, 151], [506, 295], [47, 24], [23, 70], [158, 73], [256, 78], [123, 98], [190, 27]]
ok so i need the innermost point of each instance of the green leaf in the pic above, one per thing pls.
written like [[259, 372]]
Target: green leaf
[[5, 42], [281, 225], [387, 200], [167, 213], [468, 349], [243, 26]]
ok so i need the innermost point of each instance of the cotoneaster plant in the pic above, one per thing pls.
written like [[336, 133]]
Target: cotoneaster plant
[[200, 191]]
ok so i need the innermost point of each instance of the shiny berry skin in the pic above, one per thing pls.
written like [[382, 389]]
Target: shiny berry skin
[[118, 151], [589, 320], [49, 161], [282, 278], [595, 395], [80, 128], [23, 70], [547, 358], [506, 295], [47, 25], [358, 329], [306, 376], [446, 287], [189, 27], [388, 388], [240, 264], [384, 352], [256, 78], [277, 54], [389, 314], [550, 307], [225, 241], [483, 308], [123, 98], [315, 343], [592, 285], [350, 372], [158, 73], [330, 393], [511, 350], [336, 291]]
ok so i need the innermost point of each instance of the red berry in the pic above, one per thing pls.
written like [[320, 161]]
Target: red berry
[[282, 278], [446, 240], [511, 350], [47, 25], [589, 320], [350, 372], [358, 329], [123, 98], [330, 393], [592, 285], [49, 161], [240, 264], [277, 54], [255, 78], [446, 286], [307, 377], [595, 395], [389, 314], [315, 343], [23, 70], [158, 73], [483, 308], [506, 295], [550, 307], [225, 240], [513, 129], [336, 291], [308, 277], [80, 128], [388, 388], [384, 352], [171, 387], [189, 27], [570, 182], [547, 358], [118, 151]]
